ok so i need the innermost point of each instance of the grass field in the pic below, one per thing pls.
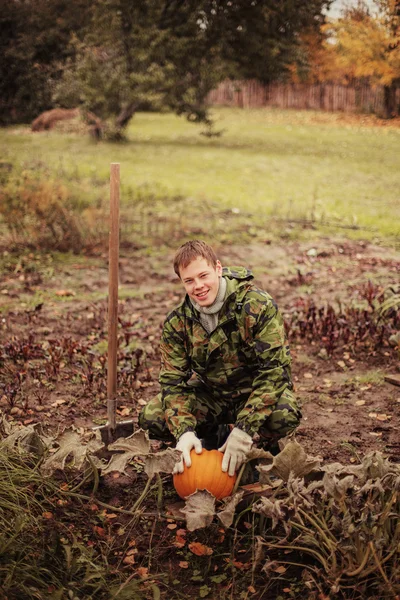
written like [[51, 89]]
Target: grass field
[[290, 164]]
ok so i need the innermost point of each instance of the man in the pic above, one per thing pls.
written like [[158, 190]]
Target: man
[[224, 360]]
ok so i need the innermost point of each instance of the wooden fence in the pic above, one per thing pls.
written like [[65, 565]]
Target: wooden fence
[[324, 96]]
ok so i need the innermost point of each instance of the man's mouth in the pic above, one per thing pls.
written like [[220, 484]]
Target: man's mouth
[[202, 295]]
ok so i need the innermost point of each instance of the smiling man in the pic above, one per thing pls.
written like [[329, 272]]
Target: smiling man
[[225, 364]]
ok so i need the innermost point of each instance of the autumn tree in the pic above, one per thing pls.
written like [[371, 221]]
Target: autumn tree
[[365, 44]]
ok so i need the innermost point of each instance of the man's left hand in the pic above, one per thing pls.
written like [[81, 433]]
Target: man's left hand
[[235, 449]]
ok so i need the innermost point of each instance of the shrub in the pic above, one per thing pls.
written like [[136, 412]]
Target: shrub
[[42, 213]]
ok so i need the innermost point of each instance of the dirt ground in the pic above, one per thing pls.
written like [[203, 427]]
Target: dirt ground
[[53, 337]]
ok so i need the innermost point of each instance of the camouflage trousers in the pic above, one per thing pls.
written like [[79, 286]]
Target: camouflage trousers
[[211, 412]]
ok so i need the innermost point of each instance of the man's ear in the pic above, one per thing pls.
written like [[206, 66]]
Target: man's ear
[[218, 267]]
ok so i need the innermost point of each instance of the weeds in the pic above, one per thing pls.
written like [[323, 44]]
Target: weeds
[[351, 327], [341, 523]]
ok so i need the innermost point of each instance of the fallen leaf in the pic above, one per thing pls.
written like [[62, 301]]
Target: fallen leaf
[[375, 433], [200, 549], [360, 402], [373, 415], [251, 589], [308, 375], [129, 560], [281, 569], [100, 531], [227, 515], [58, 402], [71, 447], [65, 293], [341, 364], [184, 564], [363, 388], [239, 565], [172, 526], [124, 412], [47, 515], [179, 542], [199, 510], [383, 417], [142, 572]]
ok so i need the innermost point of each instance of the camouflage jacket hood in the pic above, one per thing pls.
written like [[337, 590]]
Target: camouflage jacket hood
[[245, 358]]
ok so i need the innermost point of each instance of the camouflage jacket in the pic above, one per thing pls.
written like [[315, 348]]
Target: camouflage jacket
[[246, 356]]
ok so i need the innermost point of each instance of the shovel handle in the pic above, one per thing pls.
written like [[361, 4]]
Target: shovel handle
[[113, 295]]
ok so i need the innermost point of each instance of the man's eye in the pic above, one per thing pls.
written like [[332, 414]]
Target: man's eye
[[203, 276]]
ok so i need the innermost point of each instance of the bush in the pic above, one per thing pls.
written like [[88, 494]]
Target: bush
[[42, 214]]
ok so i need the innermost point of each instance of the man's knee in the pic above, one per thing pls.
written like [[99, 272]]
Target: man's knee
[[152, 419], [283, 420]]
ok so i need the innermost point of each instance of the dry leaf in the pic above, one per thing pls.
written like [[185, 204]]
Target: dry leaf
[[142, 572], [162, 462], [47, 515], [124, 412], [199, 510], [179, 542], [129, 559], [172, 526], [360, 402], [251, 589], [383, 417], [308, 375], [71, 448], [58, 402], [138, 443], [375, 433], [239, 565], [63, 293], [291, 461], [200, 549], [281, 569], [227, 515], [341, 364]]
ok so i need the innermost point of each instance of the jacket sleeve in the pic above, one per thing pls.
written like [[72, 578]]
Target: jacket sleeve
[[272, 376], [177, 396]]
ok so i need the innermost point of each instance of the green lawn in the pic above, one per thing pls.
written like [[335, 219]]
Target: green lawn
[[286, 163]]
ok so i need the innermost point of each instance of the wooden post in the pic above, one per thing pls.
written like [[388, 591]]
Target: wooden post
[[113, 296]]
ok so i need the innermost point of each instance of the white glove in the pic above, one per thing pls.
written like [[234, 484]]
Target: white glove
[[235, 449], [186, 442]]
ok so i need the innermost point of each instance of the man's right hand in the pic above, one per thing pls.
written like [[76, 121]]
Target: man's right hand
[[186, 443]]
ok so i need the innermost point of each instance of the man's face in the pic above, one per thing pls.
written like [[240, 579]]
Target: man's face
[[201, 280]]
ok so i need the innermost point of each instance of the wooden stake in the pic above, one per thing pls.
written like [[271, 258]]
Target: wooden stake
[[113, 296]]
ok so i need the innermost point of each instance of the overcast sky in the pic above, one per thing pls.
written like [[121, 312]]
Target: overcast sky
[[338, 5]]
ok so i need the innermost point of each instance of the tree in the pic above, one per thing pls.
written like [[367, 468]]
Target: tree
[[171, 53], [35, 39], [362, 45]]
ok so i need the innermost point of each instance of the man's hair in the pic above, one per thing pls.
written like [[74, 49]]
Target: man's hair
[[192, 250]]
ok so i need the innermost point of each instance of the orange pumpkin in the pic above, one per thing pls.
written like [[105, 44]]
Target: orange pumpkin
[[205, 473]]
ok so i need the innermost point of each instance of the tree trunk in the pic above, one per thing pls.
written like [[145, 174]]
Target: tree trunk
[[125, 115], [389, 101]]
